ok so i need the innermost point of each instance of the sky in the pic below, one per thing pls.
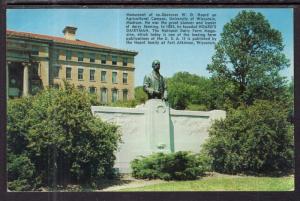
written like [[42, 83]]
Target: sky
[[107, 27]]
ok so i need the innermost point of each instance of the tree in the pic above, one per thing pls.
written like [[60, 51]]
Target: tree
[[178, 94], [61, 137], [139, 95], [290, 102], [248, 60], [21, 171], [186, 90]]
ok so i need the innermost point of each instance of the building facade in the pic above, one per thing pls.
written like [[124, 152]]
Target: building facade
[[37, 61]]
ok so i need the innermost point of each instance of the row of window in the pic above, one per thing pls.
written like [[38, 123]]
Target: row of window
[[103, 76], [92, 57], [103, 94]]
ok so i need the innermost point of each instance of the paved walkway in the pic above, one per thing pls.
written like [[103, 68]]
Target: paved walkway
[[133, 183]]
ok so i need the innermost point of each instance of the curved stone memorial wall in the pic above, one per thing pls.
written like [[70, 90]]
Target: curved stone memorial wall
[[155, 127]]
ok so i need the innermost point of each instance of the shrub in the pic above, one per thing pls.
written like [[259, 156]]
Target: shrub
[[128, 103], [20, 173], [196, 107], [139, 95], [61, 137], [174, 166], [17, 124], [254, 139]]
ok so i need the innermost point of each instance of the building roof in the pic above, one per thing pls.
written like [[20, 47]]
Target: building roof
[[56, 39]]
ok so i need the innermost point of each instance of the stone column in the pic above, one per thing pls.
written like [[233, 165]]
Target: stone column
[[158, 127], [44, 72], [26, 79]]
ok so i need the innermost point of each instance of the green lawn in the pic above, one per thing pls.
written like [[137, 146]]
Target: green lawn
[[224, 183]]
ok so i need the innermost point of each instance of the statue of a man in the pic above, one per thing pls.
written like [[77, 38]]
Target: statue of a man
[[154, 84]]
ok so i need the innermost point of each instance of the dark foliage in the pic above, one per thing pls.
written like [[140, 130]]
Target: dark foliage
[[254, 139], [174, 166], [189, 91], [56, 133]]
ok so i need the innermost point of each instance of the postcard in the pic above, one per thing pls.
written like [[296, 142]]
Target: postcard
[[159, 99]]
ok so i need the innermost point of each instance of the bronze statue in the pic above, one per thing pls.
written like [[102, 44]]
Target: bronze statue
[[154, 83]]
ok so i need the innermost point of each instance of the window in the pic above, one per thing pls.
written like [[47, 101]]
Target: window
[[114, 60], [35, 51], [103, 95], [114, 96], [125, 95], [114, 77], [80, 73], [125, 77], [125, 61], [92, 90], [68, 73], [56, 55], [103, 59], [92, 75], [34, 70], [68, 55], [92, 57], [103, 76], [56, 71], [80, 56]]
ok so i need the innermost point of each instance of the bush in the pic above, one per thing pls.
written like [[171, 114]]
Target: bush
[[61, 137], [254, 139], [174, 166], [128, 103], [20, 173], [139, 95], [17, 124], [196, 107]]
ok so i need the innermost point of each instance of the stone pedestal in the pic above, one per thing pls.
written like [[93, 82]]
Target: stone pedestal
[[154, 127], [158, 127]]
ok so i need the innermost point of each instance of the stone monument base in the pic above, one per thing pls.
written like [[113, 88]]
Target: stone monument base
[[157, 125], [154, 127]]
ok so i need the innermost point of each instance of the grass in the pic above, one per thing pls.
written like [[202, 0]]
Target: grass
[[224, 183]]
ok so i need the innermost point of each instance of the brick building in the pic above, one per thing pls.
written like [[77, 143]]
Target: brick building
[[36, 61]]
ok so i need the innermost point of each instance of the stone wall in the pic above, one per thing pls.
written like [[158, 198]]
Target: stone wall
[[187, 129]]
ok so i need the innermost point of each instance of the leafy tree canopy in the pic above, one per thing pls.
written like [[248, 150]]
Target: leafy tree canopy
[[57, 133], [139, 95], [248, 60], [187, 90]]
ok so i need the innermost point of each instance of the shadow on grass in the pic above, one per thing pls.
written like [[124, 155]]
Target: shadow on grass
[[123, 180], [114, 182], [276, 174], [88, 187], [257, 174]]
